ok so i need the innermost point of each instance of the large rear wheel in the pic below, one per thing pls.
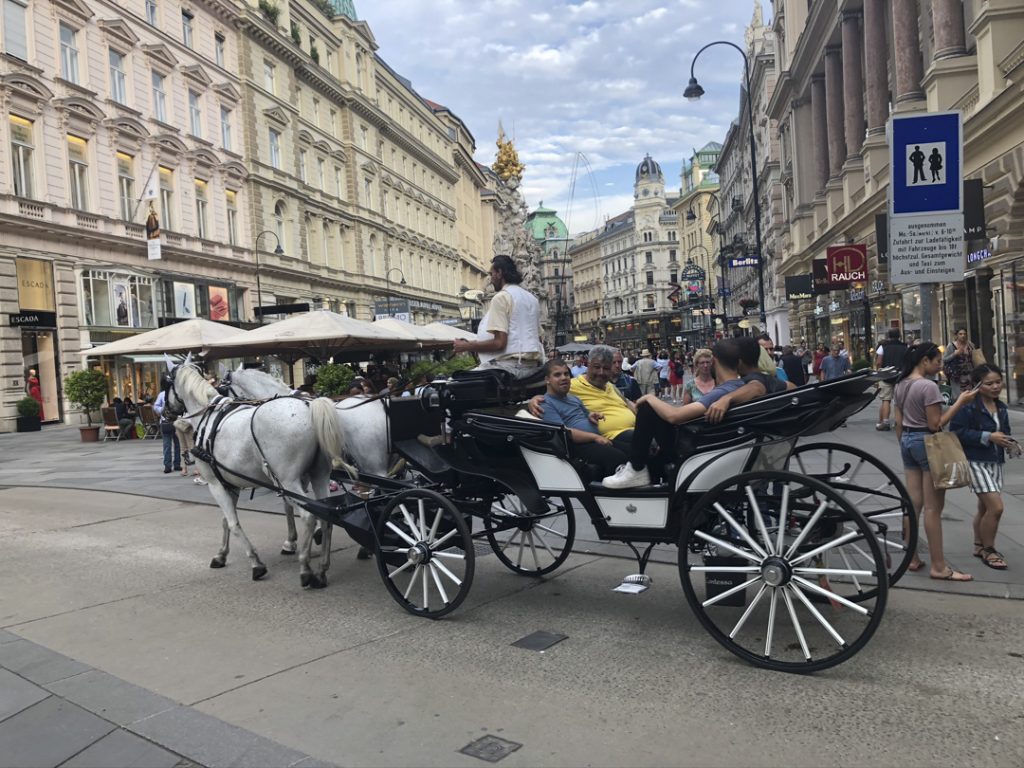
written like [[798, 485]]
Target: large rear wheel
[[762, 566]]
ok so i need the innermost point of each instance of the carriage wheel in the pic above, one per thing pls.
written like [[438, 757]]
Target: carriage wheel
[[425, 552], [875, 491], [758, 560], [532, 545]]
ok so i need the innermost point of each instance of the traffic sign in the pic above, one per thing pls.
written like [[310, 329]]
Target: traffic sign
[[925, 163]]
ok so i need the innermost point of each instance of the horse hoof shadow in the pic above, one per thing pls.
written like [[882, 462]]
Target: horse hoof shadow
[[363, 554], [318, 536], [218, 562], [287, 551], [258, 572]]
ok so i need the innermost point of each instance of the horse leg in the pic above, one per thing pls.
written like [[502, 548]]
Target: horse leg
[[228, 501], [306, 576], [221, 558], [325, 552], [288, 548]]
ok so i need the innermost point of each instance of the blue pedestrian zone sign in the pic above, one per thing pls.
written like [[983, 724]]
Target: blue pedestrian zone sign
[[926, 162]]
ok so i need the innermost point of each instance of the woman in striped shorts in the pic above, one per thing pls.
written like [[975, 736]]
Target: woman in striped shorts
[[984, 431]]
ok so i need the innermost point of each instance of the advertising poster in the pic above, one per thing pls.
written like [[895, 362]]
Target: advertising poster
[[184, 300], [219, 309], [121, 309]]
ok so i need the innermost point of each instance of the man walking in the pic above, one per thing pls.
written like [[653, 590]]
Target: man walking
[[835, 365], [168, 435], [645, 371], [890, 354]]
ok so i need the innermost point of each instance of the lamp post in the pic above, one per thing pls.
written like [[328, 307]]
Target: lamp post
[[387, 280], [692, 272], [693, 92], [723, 268], [278, 251]]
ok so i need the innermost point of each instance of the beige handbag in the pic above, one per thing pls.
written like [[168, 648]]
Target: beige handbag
[[946, 461]]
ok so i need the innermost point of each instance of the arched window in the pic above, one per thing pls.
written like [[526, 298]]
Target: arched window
[[279, 223]]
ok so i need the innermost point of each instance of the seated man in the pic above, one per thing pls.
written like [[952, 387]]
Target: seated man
[[124, 421], [560, 407], [597, 392], [738, 381]]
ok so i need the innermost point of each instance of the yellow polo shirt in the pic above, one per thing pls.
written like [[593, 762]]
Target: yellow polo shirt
[[618, 418]]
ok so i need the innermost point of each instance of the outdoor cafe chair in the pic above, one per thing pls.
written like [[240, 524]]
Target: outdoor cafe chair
[[110, 426]]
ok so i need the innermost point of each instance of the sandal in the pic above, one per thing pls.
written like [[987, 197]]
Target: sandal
[[978, 546], [917, 566], [993, 559], [954, 575]]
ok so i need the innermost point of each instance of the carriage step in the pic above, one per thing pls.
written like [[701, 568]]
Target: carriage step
[[634, 584]]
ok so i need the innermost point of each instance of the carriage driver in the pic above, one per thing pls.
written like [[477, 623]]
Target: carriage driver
[[509, 337]]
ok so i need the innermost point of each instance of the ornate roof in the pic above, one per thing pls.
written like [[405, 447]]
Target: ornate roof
[[345, 8], [544, 224], [648, 170]]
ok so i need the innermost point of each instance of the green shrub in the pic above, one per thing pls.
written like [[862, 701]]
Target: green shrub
[[296, 34], [457, 363], [28, 406], [270, 10], [860, 362], [314, 53], [333, 380], [429, 368], [87, 389]]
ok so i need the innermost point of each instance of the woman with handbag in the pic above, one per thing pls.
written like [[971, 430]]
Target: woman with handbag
[[960, 359], [984, 431], [919, 414]]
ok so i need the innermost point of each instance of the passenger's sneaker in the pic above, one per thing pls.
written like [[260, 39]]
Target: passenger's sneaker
[[627, 477]]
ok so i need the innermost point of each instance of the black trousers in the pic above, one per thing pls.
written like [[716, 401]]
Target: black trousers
[[607, 457], [650, 426]]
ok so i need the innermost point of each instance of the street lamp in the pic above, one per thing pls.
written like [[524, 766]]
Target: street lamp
[[278, 251], [387, 280], [692, 93], [691, 273]]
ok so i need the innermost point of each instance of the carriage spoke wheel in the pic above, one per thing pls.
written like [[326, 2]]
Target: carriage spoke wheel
[[425, 554], [762, 564], [875, 491], [532, 545]]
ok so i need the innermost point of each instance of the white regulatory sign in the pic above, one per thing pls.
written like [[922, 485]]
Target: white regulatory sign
[[926, 249]]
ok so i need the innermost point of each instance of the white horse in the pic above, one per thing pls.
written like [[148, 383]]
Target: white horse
[[274, 444]]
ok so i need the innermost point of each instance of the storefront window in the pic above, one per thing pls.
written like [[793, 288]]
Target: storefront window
[[1013, 302], [39, 358], [117, 299], [912, 316]]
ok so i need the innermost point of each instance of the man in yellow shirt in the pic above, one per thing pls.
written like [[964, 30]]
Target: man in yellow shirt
[[600, 396]]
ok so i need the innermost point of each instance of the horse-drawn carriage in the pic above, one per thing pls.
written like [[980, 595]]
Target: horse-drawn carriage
[[786, 549]]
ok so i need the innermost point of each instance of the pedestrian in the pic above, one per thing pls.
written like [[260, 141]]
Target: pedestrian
[[703, 380], [793, 366], [819, 354], [959, 360], [663, 370], [623, 382], [834, 366], [919, 413], [646, 373], [890, 354], [984, 431], [676, 371], [167, 435], [580, 367]]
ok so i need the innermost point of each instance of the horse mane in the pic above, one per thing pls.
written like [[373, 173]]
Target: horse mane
[[192, 384]]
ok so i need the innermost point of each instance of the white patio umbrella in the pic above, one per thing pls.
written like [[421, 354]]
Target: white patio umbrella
[[450, 331], [425, 334], [187, 336], [319, 334]]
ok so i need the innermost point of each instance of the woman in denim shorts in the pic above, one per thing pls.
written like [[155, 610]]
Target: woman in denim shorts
[[919, 413]]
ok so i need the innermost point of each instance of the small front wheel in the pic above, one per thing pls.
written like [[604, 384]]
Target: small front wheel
[[425, 552], [531, 545]]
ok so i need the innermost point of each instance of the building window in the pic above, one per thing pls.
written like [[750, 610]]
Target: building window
[[649, 257], [68, 54], [225, 128], [650, 301], [167, 197], [650, 278], [151, 12], [334, 122], [268, 76], [159, 98], [275, 148], [195, 114], [363, 135], [15, 35], [126, 185], [316, 112], [118, 87], [201, 227], [279, 222], [231, 203], [368, 193], [672, 235], [672, 254], [302, 166], [186, 28], [21, 155], [78, 172], [218, 49], [338, 184], [648, 237], [320, 174]]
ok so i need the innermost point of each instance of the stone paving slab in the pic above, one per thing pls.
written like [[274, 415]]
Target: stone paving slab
[[17, 693], [36, 663], [123, 748], [111, 697], [49, 733]]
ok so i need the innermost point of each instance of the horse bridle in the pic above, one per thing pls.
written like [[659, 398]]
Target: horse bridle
[[179, 410]]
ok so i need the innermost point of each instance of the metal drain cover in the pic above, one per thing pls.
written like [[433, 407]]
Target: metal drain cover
[[539, 641], [490, 748]]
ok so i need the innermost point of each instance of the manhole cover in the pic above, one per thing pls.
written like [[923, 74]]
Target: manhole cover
[[490, 748], [539, 641]]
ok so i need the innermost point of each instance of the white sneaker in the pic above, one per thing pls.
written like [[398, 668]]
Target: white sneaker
[[627, 477]]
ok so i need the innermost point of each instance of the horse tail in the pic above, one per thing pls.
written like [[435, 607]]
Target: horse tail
[[328, 434]]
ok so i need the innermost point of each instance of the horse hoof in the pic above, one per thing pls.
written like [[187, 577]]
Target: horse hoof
[[217, 562], [315, 582], [287, 551], [258, 572], [363, 554], [318, 536]]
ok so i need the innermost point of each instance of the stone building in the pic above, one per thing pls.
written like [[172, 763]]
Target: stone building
[[245, 126], [843, 69], [628, 300], [555, 270]]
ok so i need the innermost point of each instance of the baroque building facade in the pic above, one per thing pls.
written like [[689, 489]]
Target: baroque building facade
[[843, 69], [551, 234], [285, 161]]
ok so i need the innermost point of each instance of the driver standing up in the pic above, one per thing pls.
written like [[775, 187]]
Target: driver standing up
[[509, 337]]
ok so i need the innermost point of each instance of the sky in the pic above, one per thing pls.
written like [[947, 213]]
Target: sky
[[586, 76]]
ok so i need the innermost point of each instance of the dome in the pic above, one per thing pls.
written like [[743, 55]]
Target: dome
[[648, 170]]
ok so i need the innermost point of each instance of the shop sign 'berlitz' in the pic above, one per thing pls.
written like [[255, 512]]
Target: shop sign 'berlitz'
[[847, 264]]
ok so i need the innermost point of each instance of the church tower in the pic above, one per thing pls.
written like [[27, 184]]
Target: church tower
[[649, 187]]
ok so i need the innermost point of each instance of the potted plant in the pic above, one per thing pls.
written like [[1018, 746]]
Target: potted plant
[[333, 379], [269, 10], [87, 389], [28, 415]]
